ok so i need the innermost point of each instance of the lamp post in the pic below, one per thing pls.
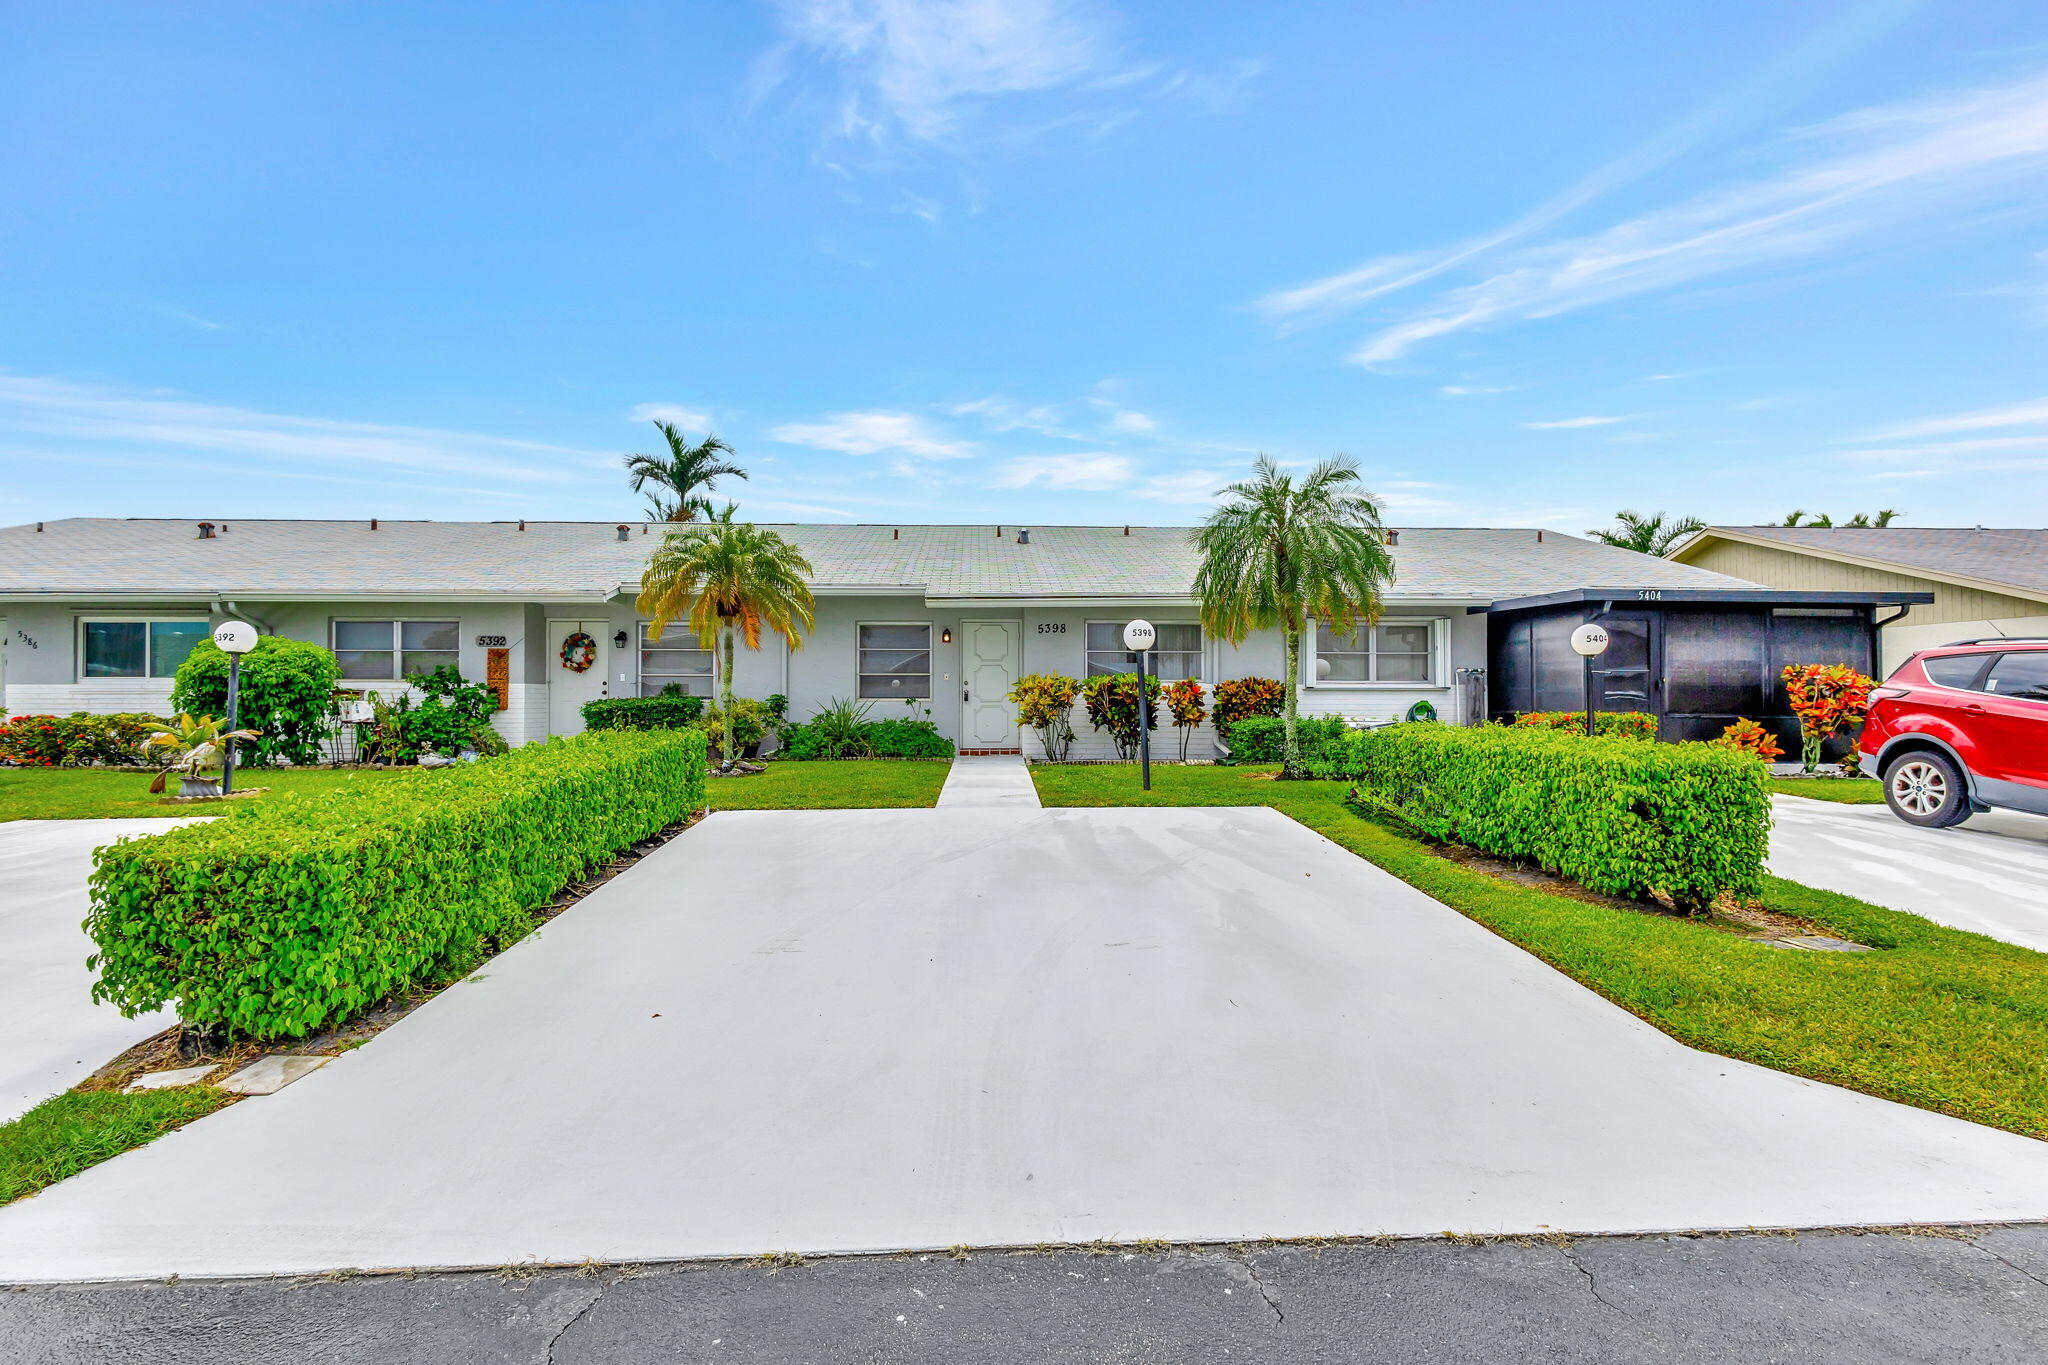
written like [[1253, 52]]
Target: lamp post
[[1139, 637], [235, 639], [1590, 641]]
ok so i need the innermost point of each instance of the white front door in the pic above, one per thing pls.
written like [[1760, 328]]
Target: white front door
[[990, 655], [568, 689]]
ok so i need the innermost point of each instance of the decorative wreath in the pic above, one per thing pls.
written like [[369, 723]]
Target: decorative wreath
[[579, 652]]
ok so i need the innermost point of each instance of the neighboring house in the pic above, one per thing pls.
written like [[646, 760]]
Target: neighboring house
[[933, 621], [1984, 582]]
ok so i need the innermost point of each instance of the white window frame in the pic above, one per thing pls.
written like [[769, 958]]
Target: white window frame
[[930, 675], [108, 618], [1439, 651], [1204, 665], [397, 643], [642, 676]]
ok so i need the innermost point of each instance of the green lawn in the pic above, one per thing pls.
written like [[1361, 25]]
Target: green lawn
[[838, 784], [1848, 791], [63, 1135], [1939, 1018], [93, 793]]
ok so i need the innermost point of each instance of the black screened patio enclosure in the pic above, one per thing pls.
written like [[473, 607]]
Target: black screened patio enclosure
[[1696, 658]]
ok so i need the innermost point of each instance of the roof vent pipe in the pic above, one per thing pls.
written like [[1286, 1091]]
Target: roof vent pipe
[[625, 531], [522, 523], [39, 528], [1023, 535], [206, 530], [1393, 536], [1127, 530], [896, 533], [1539, 535], [999, 533], [373, 523]]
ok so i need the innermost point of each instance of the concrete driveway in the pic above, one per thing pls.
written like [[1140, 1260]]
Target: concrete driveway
[[52, 1035], [870, 1030], [1988, 875]]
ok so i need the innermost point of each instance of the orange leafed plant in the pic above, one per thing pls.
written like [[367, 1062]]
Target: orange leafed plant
[[1752, 738], [1828, 699]]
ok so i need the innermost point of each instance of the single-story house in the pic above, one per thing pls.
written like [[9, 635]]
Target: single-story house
[[928, 621], [1985, 582]]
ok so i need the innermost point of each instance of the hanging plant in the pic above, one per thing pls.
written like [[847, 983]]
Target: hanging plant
[[579, 652]]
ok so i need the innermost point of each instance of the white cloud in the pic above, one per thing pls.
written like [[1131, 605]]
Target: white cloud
[[1189, 486], [873, 433], [1132, 423], [1872, 178], [1574, 423], [1471, 390], [152, 420], [936, 72], [690, 419], [2028, 414], [1082, 473], [1662, 378]]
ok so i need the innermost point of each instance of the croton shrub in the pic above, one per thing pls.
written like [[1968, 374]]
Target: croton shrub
[[302, 911], [1828, 699], [1045, 702], [1112, 702], [1750, 737], [1618, 816], [1240, 697]]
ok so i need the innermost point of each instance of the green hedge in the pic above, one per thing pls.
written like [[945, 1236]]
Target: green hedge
[[1615, 815], [1257, 739], [643, 713], [1620, 724], [300, 911]]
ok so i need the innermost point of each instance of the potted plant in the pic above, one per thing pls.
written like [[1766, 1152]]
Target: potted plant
[[197, 744]]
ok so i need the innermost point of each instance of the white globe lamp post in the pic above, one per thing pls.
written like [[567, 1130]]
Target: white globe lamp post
[[235, 639]]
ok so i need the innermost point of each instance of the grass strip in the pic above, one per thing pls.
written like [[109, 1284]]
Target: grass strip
[[1846, 791], [100, 793], [833, 784], [65, 1134], [1942, 1019]]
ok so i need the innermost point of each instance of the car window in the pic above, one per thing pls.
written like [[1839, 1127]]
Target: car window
[[2020, 675], [1954, 670]]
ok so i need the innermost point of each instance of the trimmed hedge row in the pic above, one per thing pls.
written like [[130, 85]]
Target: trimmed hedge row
[[1621, 724], [642, 713], [1259, 739], [1615, 815], [301, 911]]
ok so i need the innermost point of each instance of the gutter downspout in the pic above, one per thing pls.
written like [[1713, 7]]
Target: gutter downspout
[[1877, 633], [234, 610]]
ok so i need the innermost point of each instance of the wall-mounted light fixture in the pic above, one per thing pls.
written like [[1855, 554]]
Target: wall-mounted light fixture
[[619, 640], [946, 637]]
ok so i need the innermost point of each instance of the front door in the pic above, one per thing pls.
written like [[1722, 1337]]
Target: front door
[[568, 687], [990, 655], [1625, 677]]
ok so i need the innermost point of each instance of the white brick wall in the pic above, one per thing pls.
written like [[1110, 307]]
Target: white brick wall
[[152, 695]]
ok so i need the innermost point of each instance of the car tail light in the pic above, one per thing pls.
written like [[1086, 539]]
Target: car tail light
[[1889, 693]]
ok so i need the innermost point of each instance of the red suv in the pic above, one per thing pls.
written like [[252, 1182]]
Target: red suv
[[1962, 728]]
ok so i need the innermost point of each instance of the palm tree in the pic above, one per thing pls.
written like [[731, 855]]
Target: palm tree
[[1883, 518], [1279, 553], [1651, 535], [687, 472], [727, 580]]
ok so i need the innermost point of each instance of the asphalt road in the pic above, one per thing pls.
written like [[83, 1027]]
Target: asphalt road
[[1762, 1300]]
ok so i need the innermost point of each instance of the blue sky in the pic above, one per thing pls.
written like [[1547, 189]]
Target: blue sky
[[1026, 262]]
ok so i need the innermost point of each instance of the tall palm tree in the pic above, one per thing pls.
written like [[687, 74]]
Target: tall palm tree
[[727, 580], [1651, 535], [1280, 553], [687, 472]]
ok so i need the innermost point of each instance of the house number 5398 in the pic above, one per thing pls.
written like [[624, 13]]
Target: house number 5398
[[1052, 627]]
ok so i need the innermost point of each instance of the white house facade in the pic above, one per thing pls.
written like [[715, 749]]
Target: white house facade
[[932, 621]]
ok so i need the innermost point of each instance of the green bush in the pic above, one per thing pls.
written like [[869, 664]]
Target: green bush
[[1615, 815], [1618, 724], [301, 911], [78, 740], [643, 713], [287, 695], [842, 730], [1112, 703], [1257, 739], [908, 739]]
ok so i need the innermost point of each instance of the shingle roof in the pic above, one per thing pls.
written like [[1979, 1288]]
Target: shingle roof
[[2016, 558], [87, 557]]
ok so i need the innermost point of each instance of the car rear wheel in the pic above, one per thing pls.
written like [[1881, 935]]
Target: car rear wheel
[[1928, 790]]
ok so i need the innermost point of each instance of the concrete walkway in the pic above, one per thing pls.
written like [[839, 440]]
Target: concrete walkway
[[997, 780], [868, 1030], [52, 1035], [1988, 875]]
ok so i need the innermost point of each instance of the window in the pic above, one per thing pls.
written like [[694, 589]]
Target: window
[[1389, 652], [1176, 654], [138, 649], [2024, 676], [895, 661], [1954, 670], [389, 650], [673, 659]]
